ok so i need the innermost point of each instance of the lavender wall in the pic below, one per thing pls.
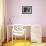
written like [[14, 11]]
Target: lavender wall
[[38, 16]]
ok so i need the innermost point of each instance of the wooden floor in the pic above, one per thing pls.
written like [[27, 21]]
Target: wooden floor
[[23, 43], [18, 43]]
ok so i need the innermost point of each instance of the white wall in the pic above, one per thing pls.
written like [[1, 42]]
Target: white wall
[[1, 20], [38, 16]]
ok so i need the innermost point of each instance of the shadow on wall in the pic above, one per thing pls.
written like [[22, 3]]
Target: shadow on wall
[[44, 34]]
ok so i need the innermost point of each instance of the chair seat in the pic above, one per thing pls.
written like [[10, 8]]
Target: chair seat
[[18, 33]]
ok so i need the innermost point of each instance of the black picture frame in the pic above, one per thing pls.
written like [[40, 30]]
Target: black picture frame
[[26, 9]]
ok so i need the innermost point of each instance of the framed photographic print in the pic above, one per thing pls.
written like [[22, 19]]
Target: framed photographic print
[[26, 9]]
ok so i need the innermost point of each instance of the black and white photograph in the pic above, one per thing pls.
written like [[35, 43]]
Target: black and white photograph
[[26, 9]]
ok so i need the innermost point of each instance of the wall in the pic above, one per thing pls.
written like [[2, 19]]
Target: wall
[[14, 12], [39, 13], [1, 16]]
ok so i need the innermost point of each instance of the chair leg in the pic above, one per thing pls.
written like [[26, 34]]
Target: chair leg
[[25, 36], [15, 38], [2, 44]]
